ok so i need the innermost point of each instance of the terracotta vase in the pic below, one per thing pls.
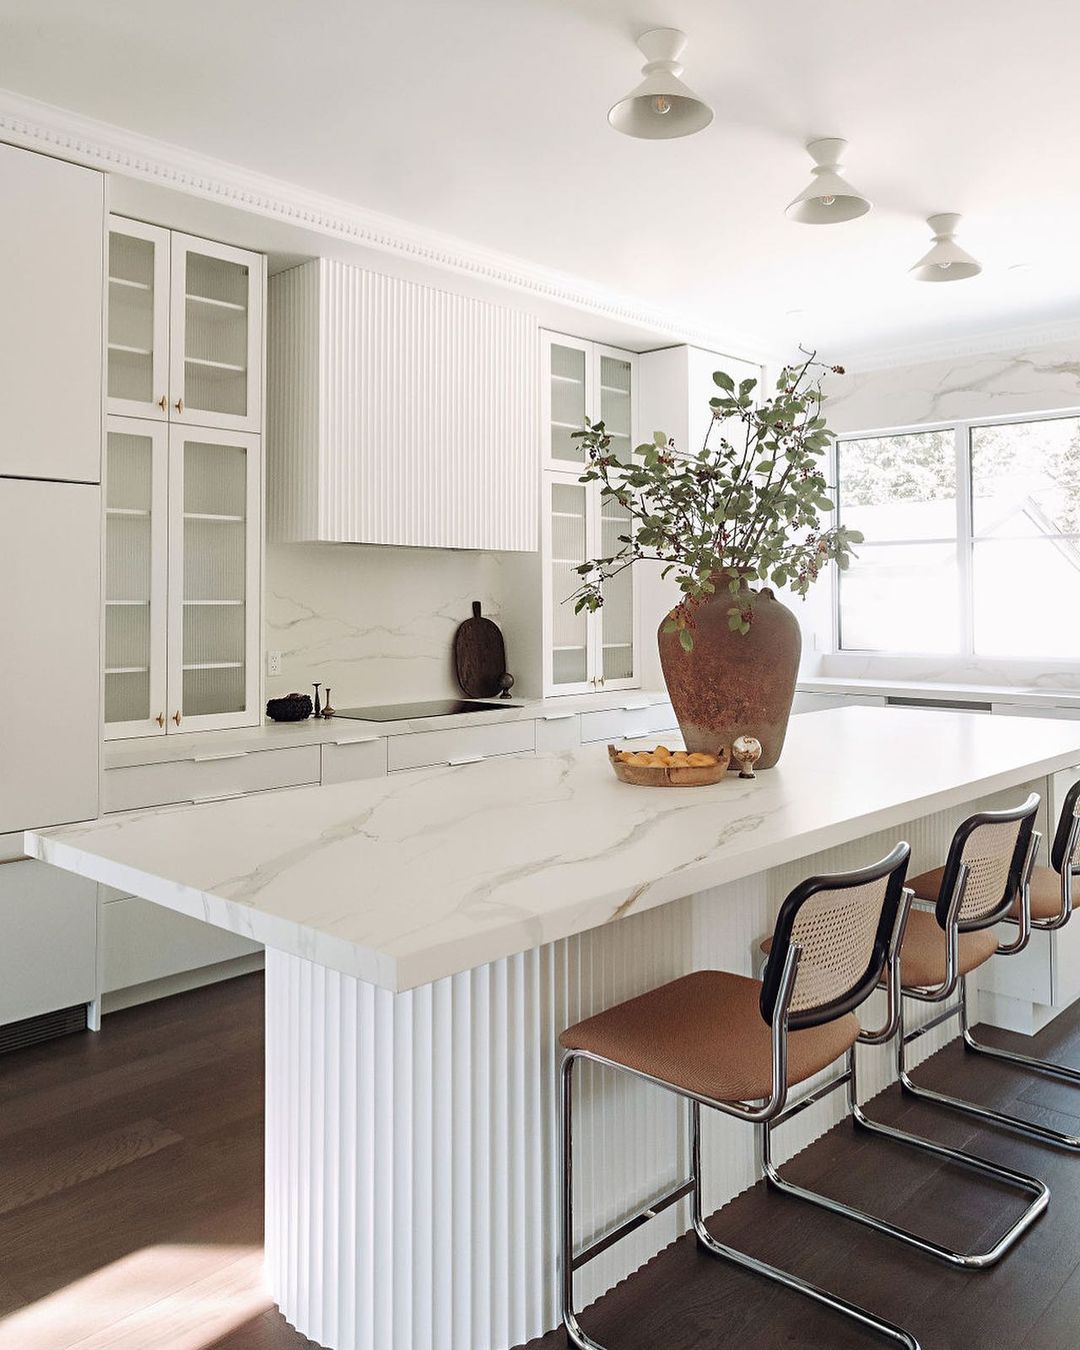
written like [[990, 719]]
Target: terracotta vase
[[734, 684]]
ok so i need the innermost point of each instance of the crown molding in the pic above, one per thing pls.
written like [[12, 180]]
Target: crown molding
[[1015, 338], [101, 145]]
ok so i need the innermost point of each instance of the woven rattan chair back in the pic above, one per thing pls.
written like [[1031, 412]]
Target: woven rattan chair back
[[842, 925]]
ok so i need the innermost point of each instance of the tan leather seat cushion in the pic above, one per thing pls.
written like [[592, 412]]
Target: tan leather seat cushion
[[922, 957], [1045, 892], [705, 1033]]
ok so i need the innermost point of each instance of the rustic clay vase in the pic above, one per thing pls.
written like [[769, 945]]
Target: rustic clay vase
[[734, 684]]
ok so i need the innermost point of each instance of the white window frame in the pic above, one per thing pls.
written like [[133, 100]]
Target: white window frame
[[965, 539]]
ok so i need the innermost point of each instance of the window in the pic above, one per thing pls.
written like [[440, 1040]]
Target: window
[[972, 539]]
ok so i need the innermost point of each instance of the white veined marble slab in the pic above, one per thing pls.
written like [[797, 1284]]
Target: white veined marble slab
[[404, 880]]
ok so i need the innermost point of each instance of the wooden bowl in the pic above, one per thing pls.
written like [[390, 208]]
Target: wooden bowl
[[662, 776]]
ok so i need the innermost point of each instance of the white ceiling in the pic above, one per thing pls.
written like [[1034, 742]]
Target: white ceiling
[[486, 119]]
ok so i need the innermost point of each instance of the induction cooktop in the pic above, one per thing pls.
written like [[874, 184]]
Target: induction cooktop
[[399, 712]]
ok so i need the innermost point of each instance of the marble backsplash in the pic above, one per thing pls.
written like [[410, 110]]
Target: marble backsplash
[[998, 384], [374, 623]]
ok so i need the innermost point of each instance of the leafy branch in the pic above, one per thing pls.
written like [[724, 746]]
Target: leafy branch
[[746, 507]]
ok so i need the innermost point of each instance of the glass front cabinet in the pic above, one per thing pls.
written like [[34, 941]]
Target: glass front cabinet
[[182, 544], [585, 652], [185, 328], [183, 483]]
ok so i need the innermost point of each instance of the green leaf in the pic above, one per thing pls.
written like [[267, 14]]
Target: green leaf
[[686, 639], [659, 439], [724, 380]]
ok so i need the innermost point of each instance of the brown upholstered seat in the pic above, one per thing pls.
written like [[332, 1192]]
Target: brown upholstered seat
[[705, 1033], [922, 957], [1045, 892]]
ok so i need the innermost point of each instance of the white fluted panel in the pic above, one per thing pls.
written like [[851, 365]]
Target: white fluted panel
[[400, 414], [412, 1139]]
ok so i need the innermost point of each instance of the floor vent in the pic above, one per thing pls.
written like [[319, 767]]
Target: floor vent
[[45, 1027]]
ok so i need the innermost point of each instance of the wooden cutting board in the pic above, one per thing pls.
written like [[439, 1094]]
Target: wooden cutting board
[[479, 655]]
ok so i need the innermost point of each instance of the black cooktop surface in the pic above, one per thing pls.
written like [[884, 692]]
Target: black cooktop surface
[[442, 707]]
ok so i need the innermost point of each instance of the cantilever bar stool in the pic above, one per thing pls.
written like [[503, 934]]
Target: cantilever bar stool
[[739, 1045], [989, 862], [1045, 903]]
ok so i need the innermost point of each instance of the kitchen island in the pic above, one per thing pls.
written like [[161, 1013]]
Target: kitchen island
[[428, 935]]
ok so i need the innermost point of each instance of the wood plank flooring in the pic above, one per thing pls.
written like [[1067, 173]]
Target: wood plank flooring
[[131, 1208]]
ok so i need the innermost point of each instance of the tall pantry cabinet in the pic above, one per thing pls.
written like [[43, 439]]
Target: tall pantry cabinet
[[183, 482], [52, 236]]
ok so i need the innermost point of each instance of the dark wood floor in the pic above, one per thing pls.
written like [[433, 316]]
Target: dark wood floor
[[131, 1208]]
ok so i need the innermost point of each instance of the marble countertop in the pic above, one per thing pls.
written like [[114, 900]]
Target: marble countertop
[[1034, 696], [403, 880], [282, 735]]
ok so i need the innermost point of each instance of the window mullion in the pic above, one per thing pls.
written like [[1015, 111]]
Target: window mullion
[[964, 539]]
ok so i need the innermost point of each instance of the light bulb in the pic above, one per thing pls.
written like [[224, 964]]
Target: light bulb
[[661, 105], [828, 201]]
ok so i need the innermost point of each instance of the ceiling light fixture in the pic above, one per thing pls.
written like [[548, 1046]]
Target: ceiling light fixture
[[661, 107], [829, 198], [946, 261]]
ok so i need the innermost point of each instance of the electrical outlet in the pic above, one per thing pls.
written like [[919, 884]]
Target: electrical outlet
[[273, 663]]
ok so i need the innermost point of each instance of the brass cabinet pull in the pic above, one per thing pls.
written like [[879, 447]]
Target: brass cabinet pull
[[176, 717], [180, 406], [160, 719], [163, 403]]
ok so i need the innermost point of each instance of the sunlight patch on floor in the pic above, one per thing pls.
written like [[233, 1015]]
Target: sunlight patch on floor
[[167, 1297]]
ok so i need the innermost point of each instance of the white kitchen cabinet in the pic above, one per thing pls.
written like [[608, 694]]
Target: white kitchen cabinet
[[399, 414], [182, 531], [136, 581], [142, 942], [48, 938], [52, 248], [461, 745], [209, 775], [50, 607], [215, 344], [584, 652], [137, 366], [351, 758], [185, 328], [215, 496]]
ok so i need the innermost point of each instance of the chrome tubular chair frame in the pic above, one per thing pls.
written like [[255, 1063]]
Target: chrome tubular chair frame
[[1064, 849], [894, 1028], [761, 1114]]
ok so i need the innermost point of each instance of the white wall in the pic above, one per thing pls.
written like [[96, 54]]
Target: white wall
[[374, 623]]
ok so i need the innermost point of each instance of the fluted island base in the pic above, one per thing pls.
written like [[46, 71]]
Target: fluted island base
[[412, 1148]]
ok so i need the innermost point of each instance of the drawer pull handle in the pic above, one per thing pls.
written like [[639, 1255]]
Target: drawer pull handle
[[225, 754], [557, 717], [634, 707], [217, 797], [465, 759], [356, 740]]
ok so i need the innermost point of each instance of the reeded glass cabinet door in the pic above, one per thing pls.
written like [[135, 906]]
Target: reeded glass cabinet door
[[138, 307], [214, 537], [567, 398], [216, 317], [615, 622], [615, 391], [569, 633], [136, 490]]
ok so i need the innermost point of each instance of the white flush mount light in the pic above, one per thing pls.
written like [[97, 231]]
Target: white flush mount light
[[830, 198], [661, 107], [946, 261]]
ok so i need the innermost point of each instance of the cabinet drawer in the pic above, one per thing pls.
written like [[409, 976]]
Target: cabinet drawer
[[48, 932], [209, 774], [345, 760], [142, 941], [618, 724], [557, 731], [414, 750]]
